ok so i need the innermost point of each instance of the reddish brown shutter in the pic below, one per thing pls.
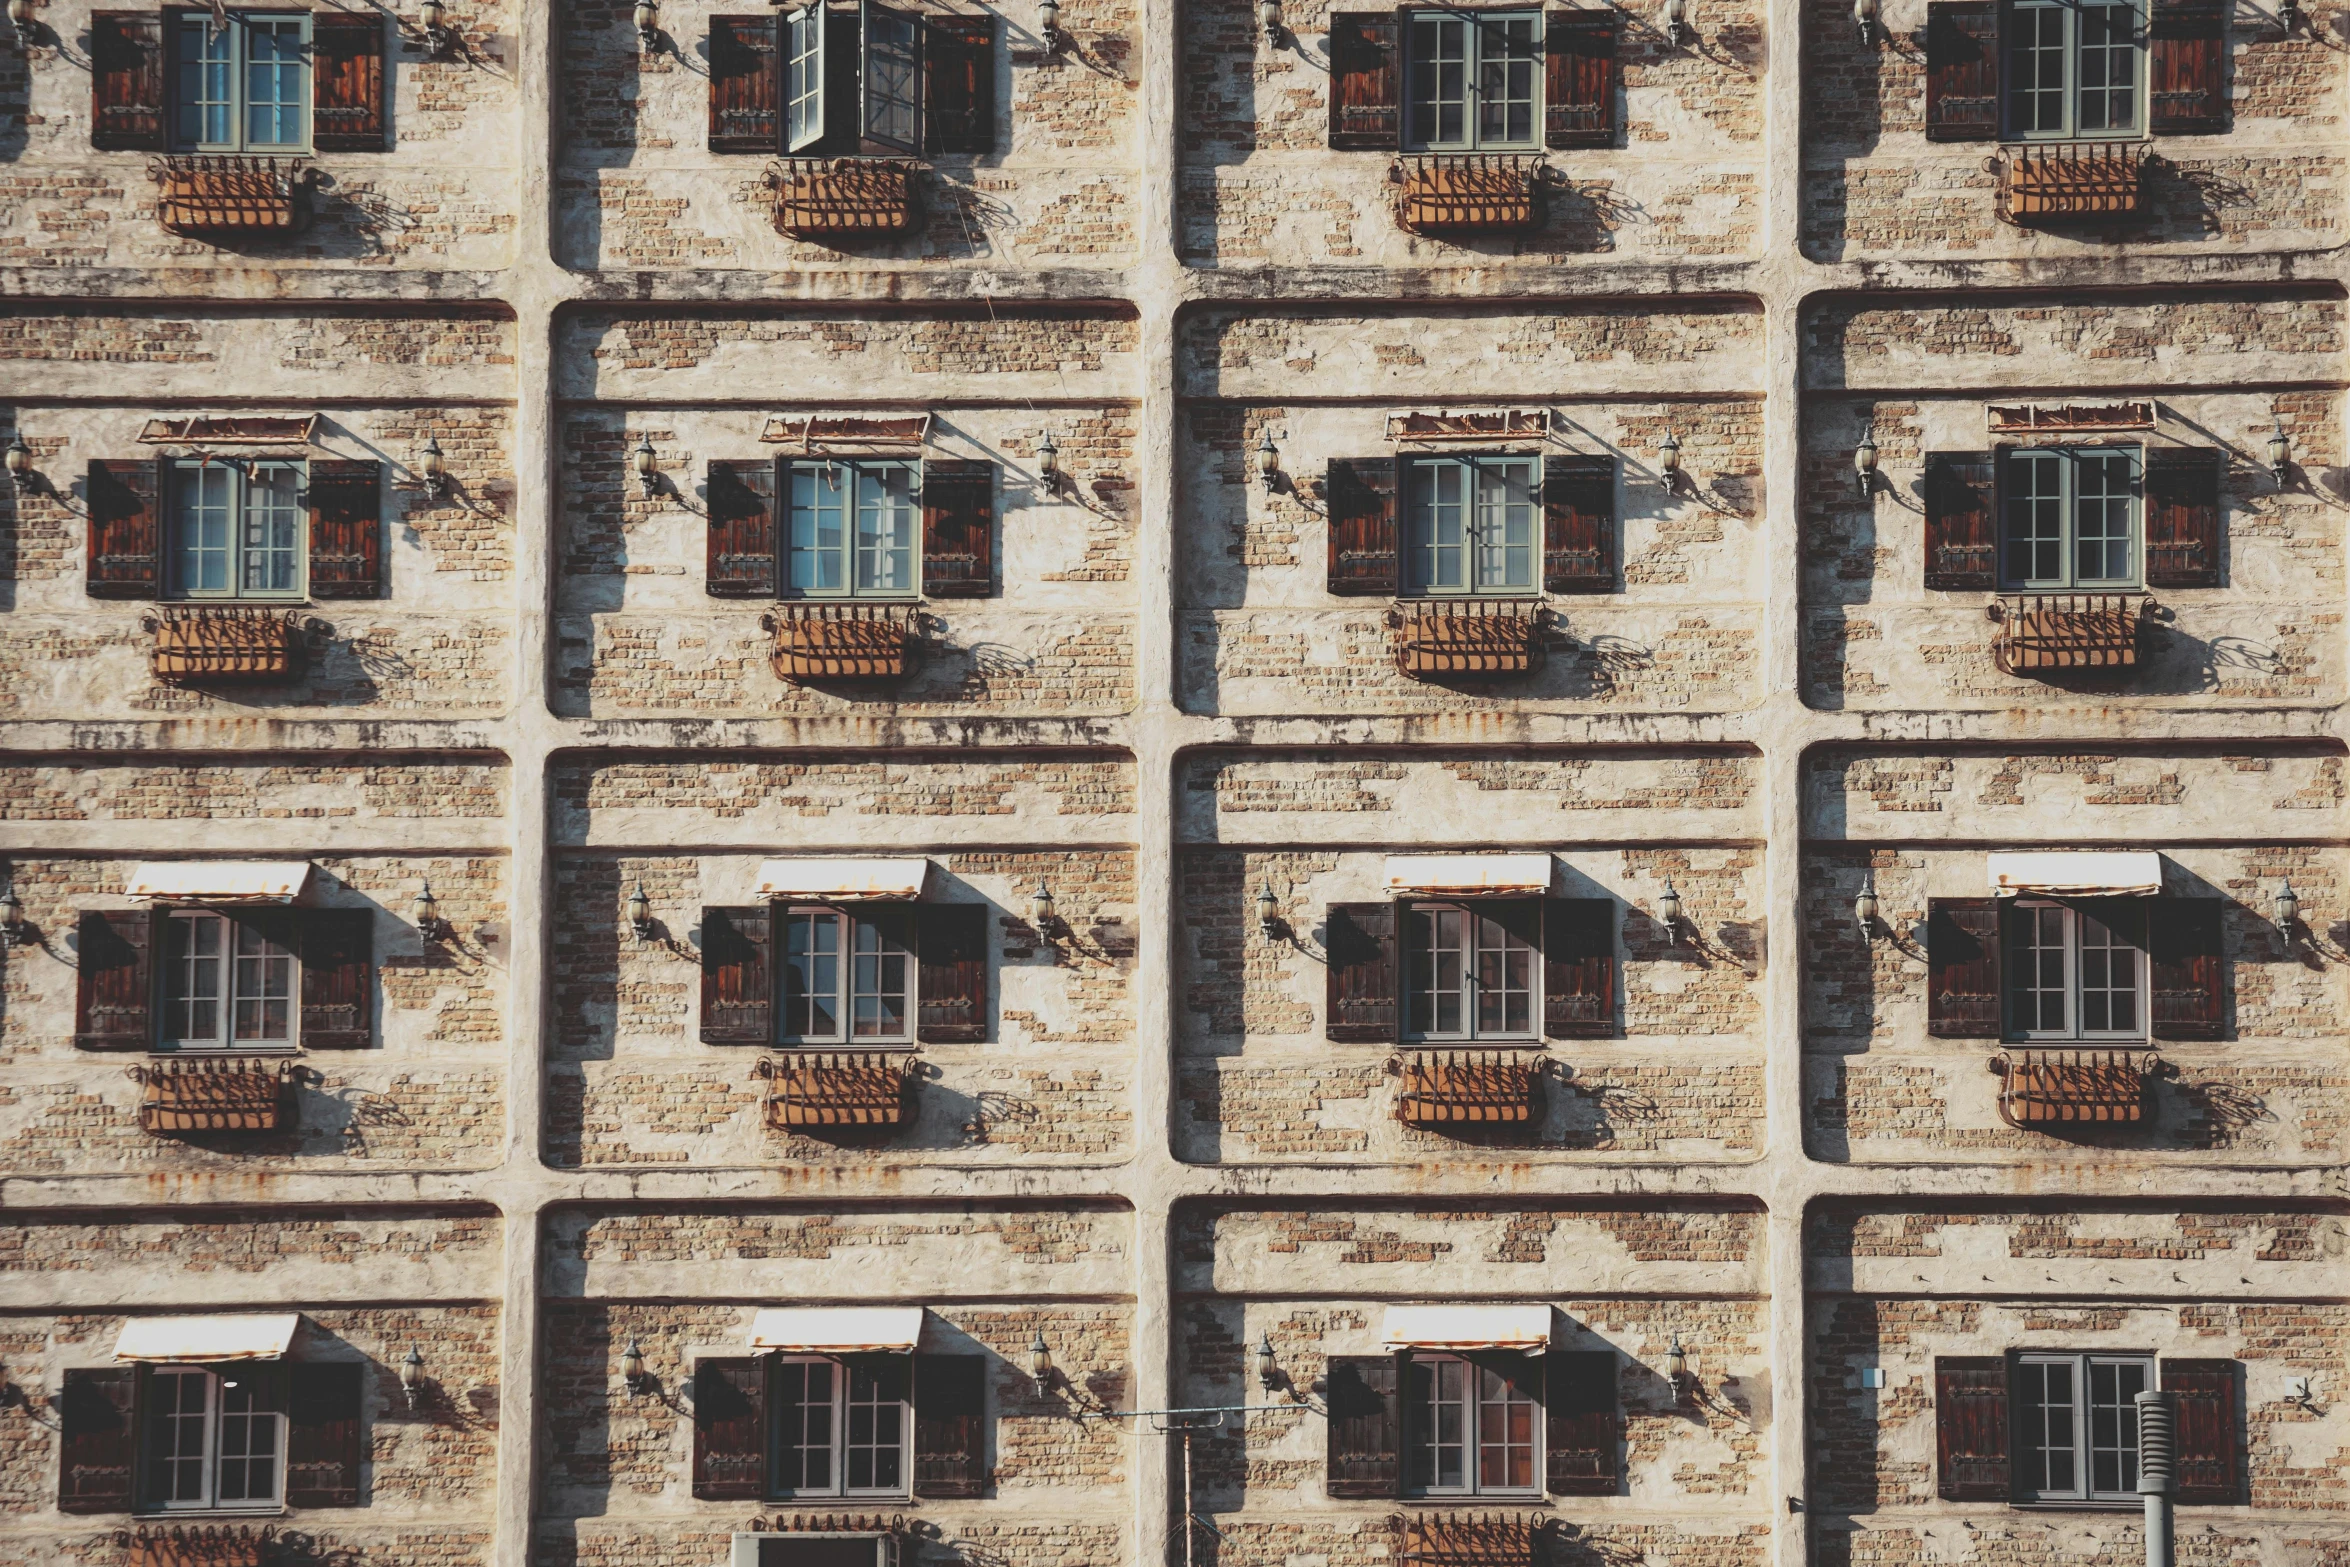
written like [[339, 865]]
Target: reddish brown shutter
[[126, 81], [738, 976], [347, 77], [960, 81], [1361, 496], [1579, 1407], [2188, 958], [1365, 1452], [126, 531], [1366, 113], [97, 1414], [1360, 939], [1578, 968], [1970, 1428], [2186, 68], [730, 1428], [346, 529], [1579, 524], [951, 944], [1962, 968], [114, 987], [746, 85], [1962, 70], [1962, 527], [958, 529], [2182, 517], [2205, 1393], [1579, 78], [741, 551], [338, 977], [323, 1446], [950, 1425]]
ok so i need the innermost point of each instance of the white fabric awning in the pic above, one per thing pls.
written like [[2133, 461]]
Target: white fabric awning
[[843, 879], [837, 1330], [219, 881], [264, 1336], [2077, 873], [1468, 875], [1468, 1327]]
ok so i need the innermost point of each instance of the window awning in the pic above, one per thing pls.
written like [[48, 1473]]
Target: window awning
[[2078, 873], [837, 1330], [1468, 1327], [829, 879], [219, 881], [168, 1340], [1468, 875]]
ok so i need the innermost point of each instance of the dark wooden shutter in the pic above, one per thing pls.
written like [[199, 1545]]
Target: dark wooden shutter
[[1970, 1428], [960, 82], [1366, 99], [337, 947], [1579, 524], [741, 554], [1579, 78], [346, 528], [1962, 968], [2187, 68], [958, 529], [746, 85], [951, 946], [97, 1414], [1365, 1452], [126, 81], [730, 1428], [347, 81], [1962, 521], [2188, 959], [950, 1425], [114, 986], [323, 1437], [2182, 517], [1360, 493], [1578, 968], [126, 531], [1962, 70], [1360, 939], [738, 976], [1579, 1408], [2205, 1393]]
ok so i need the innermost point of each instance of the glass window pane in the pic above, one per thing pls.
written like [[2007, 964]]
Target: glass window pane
[[881, 992], [2035, 967], [2035, 70], [888, 519], [2034, 510], [893, 78], [1438, 82], [248, 1441], [206, 104], [2104, 502], [203, 546], [1505, 81], [1503, 526], [818, 549], [804, 100], [193, 970], [1440, 526], [274, 90], [275, 521], [177, 1435], [873, 1425], [2108, 68], [811, 975], [2110, 966], [2114, 1386], [263, 974]]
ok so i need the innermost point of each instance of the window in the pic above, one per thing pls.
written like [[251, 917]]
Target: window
[[841, 1425], [1472, 524], [2071, 518], [2075, 972], [2077, 1425], [848, 977], [1472, 1421], [226, 986], [245, 86], [213, 1439], [1470, 970], [854, 529], [1474, 81], [887, 47], [2072, 69], [237, 529]]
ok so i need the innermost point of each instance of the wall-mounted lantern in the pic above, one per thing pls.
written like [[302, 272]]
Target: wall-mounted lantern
[[2288, 909], [1677, 1365], [1668, 911], [432, 466], [13, 929], [1040, 1364], [1268, 1373], [432, 20], [640, 913], [648, 25], [1864, 17], [1864, 907], [1040, 907], [2289, 16], [633, 1375], [647, 463], [1676, 22], [2280, 454], [1048, 462], [429, 924], [412, 1377], [1268, 458], [20, 463], [1864, 458], [1268, 908], [1048, 22], [20, 18], [1668, 456], [1269, 18]]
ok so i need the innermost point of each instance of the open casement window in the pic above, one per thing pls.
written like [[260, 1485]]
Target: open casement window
[[789, 1427], [1478, 969], [2091, 968], [1428, 1423], [2070, 518], [1469, 525], [844, 974], [2062, 1426], [242, 87], [851, 528], [205, 1439], [2048, 70], [1439, 80], [1578, 524], [235, 529], [1472, 81], [188, 980], [845, 80]]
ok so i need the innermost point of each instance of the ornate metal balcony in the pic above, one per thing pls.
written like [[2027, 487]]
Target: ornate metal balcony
[[213, 196], [1465, 636], [844, 198], [2041, 632], [837, 1088], [236, 644], [1471, 1539], [215, 1094], [200, 1546], [2044, 182], [1450, 1089], [1468, 193], [844, 641], [2061, 1090]]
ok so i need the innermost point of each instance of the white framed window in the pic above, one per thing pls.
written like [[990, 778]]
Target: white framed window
[[1469, 969], [2076, 1420], [887, 52], [238, 530], [1475, 1423], [215, 1440], [843, 1425], [1473, 80], [226, 985], [2075, 972], [245, 86], [855, 530], [848, 977], [2072, 518], [2073, 69], [1472, 524]]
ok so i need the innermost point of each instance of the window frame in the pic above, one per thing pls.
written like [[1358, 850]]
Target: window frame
[[2068, 500], [2011, 24], [2082, 1448], [1475, 36], [1472, 984], [171, 998], [239, 69], [1472, 1403], [1418, 541], [269, 1387], [844, 1369], [239, 473], [848, 918], [2012, 975], [849, 550]]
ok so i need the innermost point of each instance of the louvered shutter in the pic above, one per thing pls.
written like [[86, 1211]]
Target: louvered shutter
[[1579, 78], [2187, 67], [1962, 968], [1962, 535], [1579, 524], [958, 529], [2182, 517], [1962, 70], [1365, 1434], [347, 81], [126, 531], [2187, 957], [346, 529], [126, 81], [1970, 1428], [1360, 493], [950, 1425], [1366, 105], [730, 1428], [746, 85], [1579, 1411], [960, 82], [951, 948], [738, 975], [323, 1438], [114, 982], [2204, 1392], [1360, 939], [740, 559], [98, 1446], [1578, 968], [337, 948]]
